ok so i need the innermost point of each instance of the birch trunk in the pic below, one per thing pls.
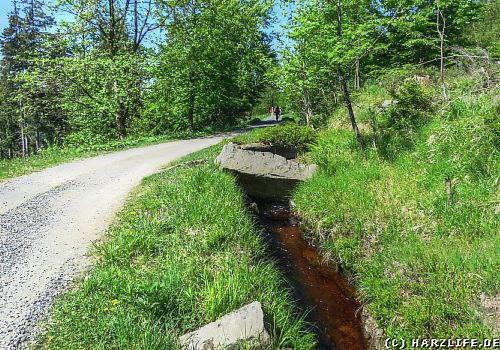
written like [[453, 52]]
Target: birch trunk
[[307, 108], [357, 80], [441, 31]]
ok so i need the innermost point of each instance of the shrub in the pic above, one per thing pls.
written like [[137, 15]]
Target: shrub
[[290, 135], [396, 127], [415, 102]]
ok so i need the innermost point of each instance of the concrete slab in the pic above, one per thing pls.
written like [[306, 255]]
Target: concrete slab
[[243, 324]]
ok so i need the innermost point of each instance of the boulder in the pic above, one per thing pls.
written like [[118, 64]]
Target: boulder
[[387, 103], [263, 174], [243, 324]]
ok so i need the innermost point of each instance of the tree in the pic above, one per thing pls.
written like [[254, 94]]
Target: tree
[[441, 27], [9, 123], [328, 45], [23, 45], [337, 44], [484, 30], [106, 65], [342, 82], [212, 62]]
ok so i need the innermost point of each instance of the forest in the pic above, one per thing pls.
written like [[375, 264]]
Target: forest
[[120, 68], [107, 70]]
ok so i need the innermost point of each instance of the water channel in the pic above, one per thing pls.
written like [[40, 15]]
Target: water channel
[[318, 288]]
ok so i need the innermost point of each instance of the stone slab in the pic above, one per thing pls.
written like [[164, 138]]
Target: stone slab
[[263, 174], [243, 324]]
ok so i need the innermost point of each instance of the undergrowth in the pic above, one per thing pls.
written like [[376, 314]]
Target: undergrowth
[[422, 256], [182, 253]]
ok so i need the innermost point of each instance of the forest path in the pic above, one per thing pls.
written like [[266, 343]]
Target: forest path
[[49, 219]]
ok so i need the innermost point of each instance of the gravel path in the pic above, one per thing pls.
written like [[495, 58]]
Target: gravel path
[[49, 219]]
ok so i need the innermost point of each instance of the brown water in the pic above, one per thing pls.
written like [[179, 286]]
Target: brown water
[[317, 286]]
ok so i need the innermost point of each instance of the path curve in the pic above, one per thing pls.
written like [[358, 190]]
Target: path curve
[[49, 219]]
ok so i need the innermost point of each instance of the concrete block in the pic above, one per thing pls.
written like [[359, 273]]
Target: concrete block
[[243, 324]]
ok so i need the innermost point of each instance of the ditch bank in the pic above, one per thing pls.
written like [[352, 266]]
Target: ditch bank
[[268, 175]]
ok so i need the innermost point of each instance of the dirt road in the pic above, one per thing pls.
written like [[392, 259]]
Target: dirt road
[[49, 219]]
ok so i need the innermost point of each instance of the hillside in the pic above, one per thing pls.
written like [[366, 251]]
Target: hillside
[[413, 219]]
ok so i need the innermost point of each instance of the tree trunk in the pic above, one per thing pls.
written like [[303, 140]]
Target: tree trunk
[[441, 31], [306, 99], [307, 108], [357, 81], [190, 114], [121, 112], [23, 138], [26, 146], [191, 101], [334, 92], [121, 122], [348, 104], [37, 141], [23, 145], [343, 84]]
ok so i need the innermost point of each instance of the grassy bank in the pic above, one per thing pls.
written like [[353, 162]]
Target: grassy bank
[[422, 257], [182, 253]]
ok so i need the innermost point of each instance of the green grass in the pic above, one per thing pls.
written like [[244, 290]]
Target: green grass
[[183, 252], [420, 261], [20, 166]]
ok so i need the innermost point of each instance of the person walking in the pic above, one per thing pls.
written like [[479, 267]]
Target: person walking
[[277, 112]]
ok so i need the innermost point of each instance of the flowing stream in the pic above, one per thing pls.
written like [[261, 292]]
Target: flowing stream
[[318, 287]]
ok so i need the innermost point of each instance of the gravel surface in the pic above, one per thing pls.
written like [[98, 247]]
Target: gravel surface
[[49, 219]]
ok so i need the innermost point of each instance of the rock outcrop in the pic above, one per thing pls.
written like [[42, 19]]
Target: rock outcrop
[[263, 174]]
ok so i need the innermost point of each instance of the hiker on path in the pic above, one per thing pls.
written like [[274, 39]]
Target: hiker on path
[[277, 112]]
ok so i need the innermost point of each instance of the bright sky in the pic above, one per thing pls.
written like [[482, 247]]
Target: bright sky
[[6, 7]]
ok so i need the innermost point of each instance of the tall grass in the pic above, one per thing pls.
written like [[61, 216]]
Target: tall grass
[[183, 252], [289, 135]]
